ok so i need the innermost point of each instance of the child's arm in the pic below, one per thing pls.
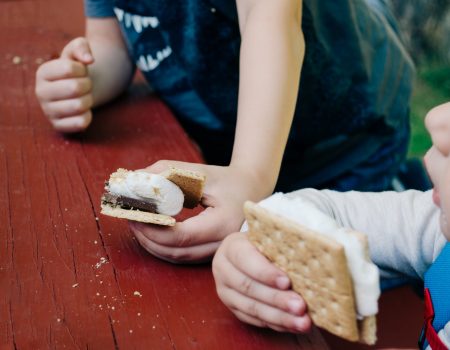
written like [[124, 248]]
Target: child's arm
[[271, 57], [255, 290], [89, 72], [112, 69], [272, 52], [402, 227]]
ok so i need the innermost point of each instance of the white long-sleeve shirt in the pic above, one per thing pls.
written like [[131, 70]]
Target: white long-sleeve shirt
[[402, 227]]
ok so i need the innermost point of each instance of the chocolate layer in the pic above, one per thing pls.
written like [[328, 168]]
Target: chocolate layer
[[128, 203]]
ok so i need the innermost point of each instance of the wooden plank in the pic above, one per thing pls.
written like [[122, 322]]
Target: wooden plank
[[70, 278]]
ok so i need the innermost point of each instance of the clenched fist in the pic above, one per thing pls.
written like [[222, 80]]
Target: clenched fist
[[63, 87]]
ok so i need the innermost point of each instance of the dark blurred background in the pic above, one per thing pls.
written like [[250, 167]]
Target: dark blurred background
[[425, 27]]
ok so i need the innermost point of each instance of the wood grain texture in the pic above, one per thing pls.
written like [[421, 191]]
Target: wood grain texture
[[70, 278]]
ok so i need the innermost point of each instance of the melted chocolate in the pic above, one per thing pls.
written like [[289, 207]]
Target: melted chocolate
[[128, 203]]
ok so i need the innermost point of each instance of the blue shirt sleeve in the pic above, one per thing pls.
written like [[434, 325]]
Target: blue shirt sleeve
[[98, 8]]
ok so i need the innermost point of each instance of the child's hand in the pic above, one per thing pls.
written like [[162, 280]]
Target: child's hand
[[63, 87], [197, 238], [255, 290]]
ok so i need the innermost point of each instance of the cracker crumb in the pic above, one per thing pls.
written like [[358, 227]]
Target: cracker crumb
[[96, 218], [75, 285], [17, 60], [137, 294], [58, 319], [101, 282], [139, 314], [102, 261], [95, 242], [154, 327], [113, 308], [131, 331], [98, 294], [213, 10]]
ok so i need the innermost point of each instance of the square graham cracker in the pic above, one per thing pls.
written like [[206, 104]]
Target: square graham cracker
[[190, 182], [317, 268]]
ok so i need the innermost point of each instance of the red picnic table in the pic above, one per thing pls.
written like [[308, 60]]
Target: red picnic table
[[70, 277]]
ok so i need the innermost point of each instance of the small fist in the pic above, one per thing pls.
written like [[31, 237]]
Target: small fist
[[63, 87]]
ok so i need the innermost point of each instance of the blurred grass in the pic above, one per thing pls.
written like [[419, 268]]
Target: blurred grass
[[432, 87]]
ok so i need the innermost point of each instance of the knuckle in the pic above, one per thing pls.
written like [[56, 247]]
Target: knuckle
[[48, 111], [78, 106], [216, 264], [67, 67], [81, 105], [252, 309], [88, 84], [89, 101], [39, 71], [38, 92], [183, 240], [75, 87], [238, 253], [79, 41], [245, 285]]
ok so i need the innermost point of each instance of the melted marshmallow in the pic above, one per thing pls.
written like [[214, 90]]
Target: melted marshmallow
[[144, 186]]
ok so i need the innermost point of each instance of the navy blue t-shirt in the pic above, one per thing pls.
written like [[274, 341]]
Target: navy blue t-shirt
[[352, 107]]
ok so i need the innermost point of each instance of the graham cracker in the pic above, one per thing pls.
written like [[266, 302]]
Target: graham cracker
[[190, 182], [137, 215], [317, 268]]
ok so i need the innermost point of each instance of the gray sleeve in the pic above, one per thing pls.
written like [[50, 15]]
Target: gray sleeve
[[98, 8], [402, 228]]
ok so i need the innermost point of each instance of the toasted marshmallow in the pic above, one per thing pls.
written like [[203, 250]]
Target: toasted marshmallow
[[144, 186]]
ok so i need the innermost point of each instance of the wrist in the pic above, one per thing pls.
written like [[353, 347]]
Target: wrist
[[260, 181]]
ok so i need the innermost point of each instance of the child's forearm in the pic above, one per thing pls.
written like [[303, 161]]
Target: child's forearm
[[112, 69], [272, 53]]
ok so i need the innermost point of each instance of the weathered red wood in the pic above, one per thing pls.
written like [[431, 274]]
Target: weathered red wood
[[70, 278]]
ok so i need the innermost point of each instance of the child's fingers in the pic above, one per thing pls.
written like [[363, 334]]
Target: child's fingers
[[63, 89], [68, 108], [257, 322], [60, 69], [73, 124], [257, 266], [229, 277], [266, 313], [198, 253], [78, 50], [200, 229]]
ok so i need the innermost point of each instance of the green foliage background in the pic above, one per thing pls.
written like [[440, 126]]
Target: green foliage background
[[432, 87]]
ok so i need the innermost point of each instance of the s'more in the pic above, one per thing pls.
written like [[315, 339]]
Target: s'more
[[151, 198], [328, 265]]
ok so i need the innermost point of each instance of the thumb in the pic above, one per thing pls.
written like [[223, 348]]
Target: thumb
[[78, 50]]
